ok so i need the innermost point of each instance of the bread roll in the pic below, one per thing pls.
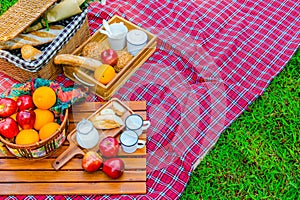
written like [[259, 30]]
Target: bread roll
[[123, 58], [30, 53], [93, 50]]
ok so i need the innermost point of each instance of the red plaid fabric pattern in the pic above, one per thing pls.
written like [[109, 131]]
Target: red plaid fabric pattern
[[213, 59]]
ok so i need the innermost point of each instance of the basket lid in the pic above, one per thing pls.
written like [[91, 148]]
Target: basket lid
[[21, 15]]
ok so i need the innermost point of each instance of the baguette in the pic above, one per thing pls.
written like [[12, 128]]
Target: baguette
[[34, 38], [77, 61]]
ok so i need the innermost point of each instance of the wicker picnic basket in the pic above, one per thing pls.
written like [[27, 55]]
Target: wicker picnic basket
[[41, 149], [22, 15]]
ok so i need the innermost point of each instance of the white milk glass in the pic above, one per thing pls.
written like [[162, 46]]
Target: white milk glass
[[136, 123], [130, 141], [86, 136]]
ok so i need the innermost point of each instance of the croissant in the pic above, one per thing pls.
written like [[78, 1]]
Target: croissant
[[107, 121]]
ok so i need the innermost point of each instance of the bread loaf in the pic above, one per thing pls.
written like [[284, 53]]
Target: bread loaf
[[34, 38], [77, 61]]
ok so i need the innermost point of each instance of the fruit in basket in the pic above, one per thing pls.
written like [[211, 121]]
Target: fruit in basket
[[104, 73], [109, 147], [42, 117], [44, 97], [109, 56], [113, 167], [7, 107], [9, 127], [25, 102], [28, 136], [26, 119], [91, 161], [48, 129]]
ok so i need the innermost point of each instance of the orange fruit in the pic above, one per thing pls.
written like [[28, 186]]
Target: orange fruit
[[44, 97], [105, 73], [14, 116], [48, 129], [42, 117], [28, 136]]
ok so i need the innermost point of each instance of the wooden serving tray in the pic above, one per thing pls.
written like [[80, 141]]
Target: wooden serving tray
[[74, 147], [86, 77], [27, 177]]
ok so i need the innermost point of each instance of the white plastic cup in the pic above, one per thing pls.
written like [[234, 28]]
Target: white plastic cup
[[86, 136], [136, 123], [130, 142], [136, 41], [117, 40]]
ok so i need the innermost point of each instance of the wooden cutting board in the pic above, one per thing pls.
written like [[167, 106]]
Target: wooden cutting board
[[27, 177]]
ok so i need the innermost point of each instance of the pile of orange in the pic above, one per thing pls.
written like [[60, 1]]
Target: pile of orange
[[43, 98]]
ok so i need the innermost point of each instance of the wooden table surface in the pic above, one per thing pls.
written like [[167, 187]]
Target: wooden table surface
[[34, 177]]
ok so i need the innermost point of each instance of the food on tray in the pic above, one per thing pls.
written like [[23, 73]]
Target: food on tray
[[107, 111], [104, 74], [118, 109], [93, 50], [109, 56], [34, 38], [22, 118], [30, 53], [107, 121], [123, 58], [113, 167], [91, 161], [77, 61], [109, 147]]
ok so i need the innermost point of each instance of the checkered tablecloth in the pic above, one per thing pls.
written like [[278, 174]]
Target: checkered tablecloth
[[213, 59]]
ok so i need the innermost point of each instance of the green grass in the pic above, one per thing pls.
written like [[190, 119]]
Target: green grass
[[257, 156], [5, 4]]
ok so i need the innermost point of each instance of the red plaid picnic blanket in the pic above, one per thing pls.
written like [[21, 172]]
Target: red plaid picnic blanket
[[213, 59]]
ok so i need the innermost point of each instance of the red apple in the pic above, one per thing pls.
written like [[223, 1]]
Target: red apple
[[26, 119], [109, 147], [113, 167], [25, 102], [109, 56], [9, 127], [91, 161], [7, 107]]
